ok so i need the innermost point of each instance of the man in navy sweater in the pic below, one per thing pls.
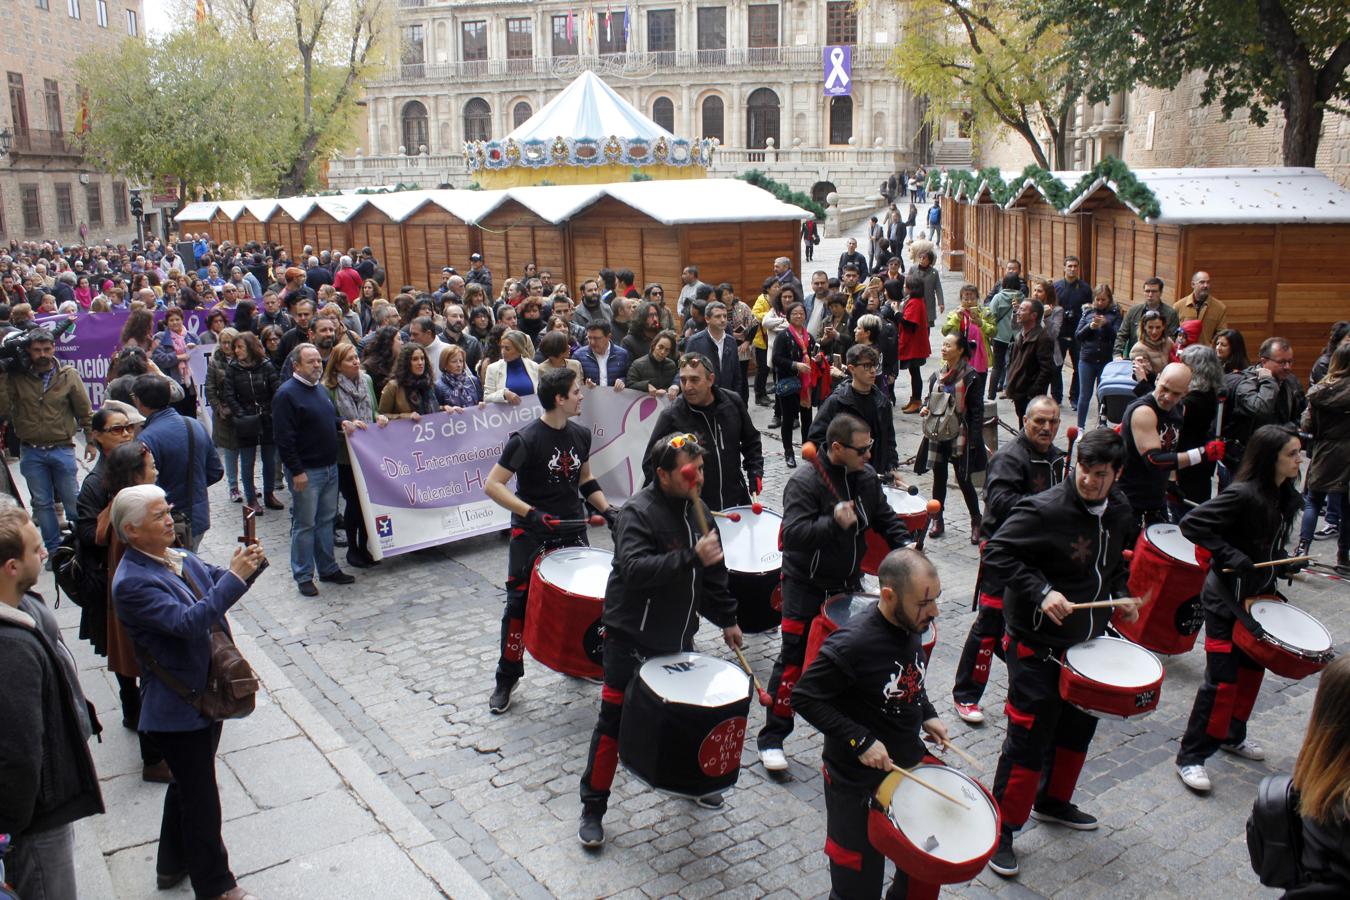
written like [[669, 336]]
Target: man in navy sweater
[[305, 426]]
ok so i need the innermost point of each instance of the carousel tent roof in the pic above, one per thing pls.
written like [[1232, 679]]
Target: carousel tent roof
[[588, 108]]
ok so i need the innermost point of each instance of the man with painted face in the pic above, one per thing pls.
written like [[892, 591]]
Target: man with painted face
[[665, 570], [865, 692], [1062, 543]]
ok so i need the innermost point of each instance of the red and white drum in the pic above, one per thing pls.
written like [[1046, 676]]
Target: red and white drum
[[912, 510], [754, 560], [1295, 645], [567, 596], [1171, 571], [684, 719], [836, 612], [929, 838], [1111, 678]]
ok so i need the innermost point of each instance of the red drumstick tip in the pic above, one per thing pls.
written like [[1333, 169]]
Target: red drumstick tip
[[809, 451], [1072, 432], [735, 517], [934, 507], [757, 508], [765, 699], [689, 472], [596, 521]]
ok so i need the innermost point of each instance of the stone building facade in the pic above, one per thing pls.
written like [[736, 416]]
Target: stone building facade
[[750, 74], [1151, 128], [48, 189]]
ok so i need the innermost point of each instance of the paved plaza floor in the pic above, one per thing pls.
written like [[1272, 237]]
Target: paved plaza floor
[[373, 768]]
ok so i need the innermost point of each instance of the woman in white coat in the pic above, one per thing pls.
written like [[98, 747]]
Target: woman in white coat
[[513, 376]]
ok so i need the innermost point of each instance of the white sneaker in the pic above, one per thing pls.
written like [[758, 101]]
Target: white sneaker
[[970, 712], [1248, 749], [773, 760], [1195, 778]]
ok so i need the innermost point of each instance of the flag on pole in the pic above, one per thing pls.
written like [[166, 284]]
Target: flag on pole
[[627, 23], [201, 11], [609, 21], [590, 25], [571, 25]]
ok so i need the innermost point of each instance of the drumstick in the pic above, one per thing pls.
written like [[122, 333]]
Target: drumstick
[[553, 521], [1277, 562], [921, 783], [690, 475], [908, 488], [757, 507], [812, 455], [948, 745], [1103, 604], [934, 507], [1072, 433], [764, 698], [729, 516]]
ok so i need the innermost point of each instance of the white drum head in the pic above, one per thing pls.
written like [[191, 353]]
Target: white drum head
[[905, 503], [1291, 626], [695, 680], [751, 545], [1170, 540], [1114, 661], [583, 571], [938, 826]]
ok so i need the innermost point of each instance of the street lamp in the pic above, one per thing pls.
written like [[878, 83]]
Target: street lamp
[[6, 141]]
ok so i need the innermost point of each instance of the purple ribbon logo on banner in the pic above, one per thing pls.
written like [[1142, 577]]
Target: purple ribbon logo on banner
[[839, 71]]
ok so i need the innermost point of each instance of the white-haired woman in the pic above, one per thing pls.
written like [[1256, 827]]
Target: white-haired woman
[[170, 601]]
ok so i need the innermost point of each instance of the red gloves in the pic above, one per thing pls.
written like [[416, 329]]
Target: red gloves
[[1214, 451]]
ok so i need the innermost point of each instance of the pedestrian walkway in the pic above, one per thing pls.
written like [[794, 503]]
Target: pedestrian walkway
[[305, 816]]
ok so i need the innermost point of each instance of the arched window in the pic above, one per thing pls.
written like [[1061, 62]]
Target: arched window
[[520, 113], [477, 120], [414, 127], [712, 119], [663, 113], [762, 119], [841, 119]]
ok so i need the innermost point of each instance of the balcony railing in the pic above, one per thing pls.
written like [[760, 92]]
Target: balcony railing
[[40, 142], [628, 64]]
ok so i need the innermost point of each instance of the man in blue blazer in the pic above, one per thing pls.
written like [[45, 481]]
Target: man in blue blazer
[[170, 601], [718, 346], [603, 362]]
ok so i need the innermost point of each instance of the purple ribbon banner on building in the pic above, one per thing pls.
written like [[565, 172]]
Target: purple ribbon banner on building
[[839, 71], [421, 483]]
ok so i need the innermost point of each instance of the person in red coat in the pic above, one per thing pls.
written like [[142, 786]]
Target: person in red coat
[[348, 280], [914, 346]]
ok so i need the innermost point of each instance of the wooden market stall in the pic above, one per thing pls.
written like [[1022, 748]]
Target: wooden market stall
[[1272, 240], [252, 222]]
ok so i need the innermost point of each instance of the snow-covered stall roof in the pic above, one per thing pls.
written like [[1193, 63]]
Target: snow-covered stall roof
[[197, 211], [1238, 195], [704, 200], [342, 207], [261, 210], [588, 108], [554, 203], [297, 207], [231, 208]]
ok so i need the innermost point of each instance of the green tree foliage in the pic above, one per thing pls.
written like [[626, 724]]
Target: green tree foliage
[[783, 192], [1255, 54], [988, 58]]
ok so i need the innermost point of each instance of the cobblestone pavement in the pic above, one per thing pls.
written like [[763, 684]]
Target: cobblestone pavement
[[400, 664]]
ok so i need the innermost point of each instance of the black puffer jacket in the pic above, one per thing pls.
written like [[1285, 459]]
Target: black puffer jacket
[[1016, 472], [730, 439], [816, 550], [1052, 541], [657, 584], [249, 391], [874, 408]]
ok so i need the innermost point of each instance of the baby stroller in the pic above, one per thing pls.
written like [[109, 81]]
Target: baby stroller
[[1115, 391]]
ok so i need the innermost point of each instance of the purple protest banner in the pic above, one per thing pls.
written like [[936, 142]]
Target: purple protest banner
[[839, 71], [421, 483]]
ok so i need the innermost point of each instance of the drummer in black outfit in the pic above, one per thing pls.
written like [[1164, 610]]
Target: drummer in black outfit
[[663, 573], [550, 460], [721, 422], [823, 546], [1059, 547], [865, 692], [1030, 464], [1151, 427], [1249, 522]]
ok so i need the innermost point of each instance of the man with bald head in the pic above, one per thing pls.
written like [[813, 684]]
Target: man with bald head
[[1200, 304], [1152, 429]]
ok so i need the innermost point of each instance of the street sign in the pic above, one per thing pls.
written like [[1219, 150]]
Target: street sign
[[839, 71], [164, 193]]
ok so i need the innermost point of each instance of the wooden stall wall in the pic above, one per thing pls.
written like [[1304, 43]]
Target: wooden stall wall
[[324, 232], [953, 234], [433, 239], [222, 228], [249, 228], [511, 236], [983, 266], [609, 234], [741, 253], [372, 228], [193, 226], [1011, 240], [1311, 287], [1126, 250], [288, 233], [1051, 237]]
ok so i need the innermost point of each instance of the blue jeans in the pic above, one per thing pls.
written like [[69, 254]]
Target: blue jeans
[[1313, 502], [51, 476], [312, 513], [247, 455], [231, 458], [1089, 373]]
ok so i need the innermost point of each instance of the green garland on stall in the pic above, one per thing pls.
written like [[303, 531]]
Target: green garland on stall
[[1127, 187], [783, 192]]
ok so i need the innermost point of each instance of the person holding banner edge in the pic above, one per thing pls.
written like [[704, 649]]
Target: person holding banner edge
[[550, 460]]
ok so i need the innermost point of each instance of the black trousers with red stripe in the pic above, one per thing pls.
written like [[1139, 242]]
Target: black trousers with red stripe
[[524, 549], [857, 869], [1226, 697], [801, 605], [622, 658], [983, 643], [1047, 738]]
